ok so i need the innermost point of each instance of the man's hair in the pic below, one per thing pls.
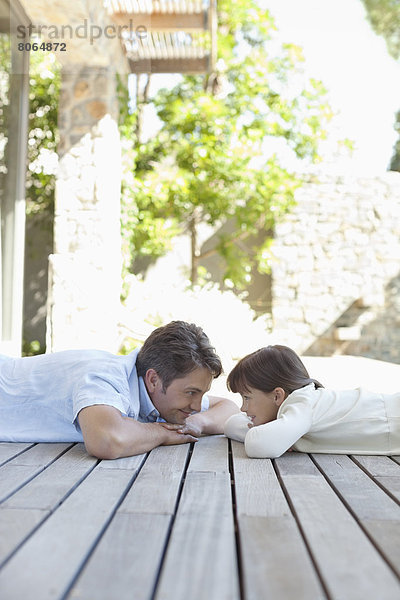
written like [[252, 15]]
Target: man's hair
[[268, 368], [175, 350]]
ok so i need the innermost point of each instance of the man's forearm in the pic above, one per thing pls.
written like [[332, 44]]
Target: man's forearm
[[108, 434], [211, 421], [137, 438], [128, 439]]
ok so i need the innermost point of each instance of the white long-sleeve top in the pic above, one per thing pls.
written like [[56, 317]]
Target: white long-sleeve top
[[327, 421]]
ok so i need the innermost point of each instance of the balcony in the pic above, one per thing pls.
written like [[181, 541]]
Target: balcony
[[167, 36]]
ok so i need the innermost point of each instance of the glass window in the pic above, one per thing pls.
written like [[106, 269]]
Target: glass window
[[14, 66]]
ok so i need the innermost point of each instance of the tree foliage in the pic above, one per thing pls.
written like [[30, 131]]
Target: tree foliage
[[44, 84], [42, 163], [216, 156], [384, 16], [44, 75], [5, 68]]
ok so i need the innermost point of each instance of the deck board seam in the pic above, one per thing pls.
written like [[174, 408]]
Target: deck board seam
[[238, 544], [356, 518], [49, 512], [102, 531], [7, 460], [375, 481], [171, 524], [301, 531], [40, 469]]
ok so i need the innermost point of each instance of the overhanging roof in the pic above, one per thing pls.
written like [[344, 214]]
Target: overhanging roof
[[167, 36]]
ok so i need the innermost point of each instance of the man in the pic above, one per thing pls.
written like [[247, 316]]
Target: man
[[118, 405]]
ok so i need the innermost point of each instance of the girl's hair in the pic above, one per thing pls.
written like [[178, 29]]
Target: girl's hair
[[268, 368]]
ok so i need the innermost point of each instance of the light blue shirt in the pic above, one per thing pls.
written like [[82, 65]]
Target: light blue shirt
[[41, 396]]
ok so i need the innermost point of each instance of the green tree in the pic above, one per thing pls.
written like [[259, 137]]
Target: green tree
[[42, 160], [384, 16], [44, 82], [5, 68], [44, 75], [215, 156]]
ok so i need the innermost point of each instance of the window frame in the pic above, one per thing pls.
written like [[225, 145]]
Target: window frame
[[12, 208]]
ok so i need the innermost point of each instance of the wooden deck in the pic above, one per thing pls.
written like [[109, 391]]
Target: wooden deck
[[197, 522]]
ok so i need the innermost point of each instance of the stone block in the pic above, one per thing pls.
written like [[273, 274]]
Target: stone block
[[96, 109], [345, 334], [81, 89]]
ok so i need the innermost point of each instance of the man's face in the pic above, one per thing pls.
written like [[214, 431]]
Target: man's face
[[183, 395]]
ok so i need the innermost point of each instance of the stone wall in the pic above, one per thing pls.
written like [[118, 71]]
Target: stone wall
[[71, 23], [335, 278], [85, 269]]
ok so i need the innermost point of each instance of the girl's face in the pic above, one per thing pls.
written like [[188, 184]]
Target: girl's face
[[262, 407]]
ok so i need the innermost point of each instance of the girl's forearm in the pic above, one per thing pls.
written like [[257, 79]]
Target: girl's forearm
[[237, 426]]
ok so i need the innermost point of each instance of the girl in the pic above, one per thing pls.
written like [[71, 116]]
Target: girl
[[286, 408]]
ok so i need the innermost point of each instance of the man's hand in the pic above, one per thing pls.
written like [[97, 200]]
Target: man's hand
[[208, 422], [179, 434], [108, 434], [189, 428]]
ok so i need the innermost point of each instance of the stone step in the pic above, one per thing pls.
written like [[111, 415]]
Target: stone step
[[347, 334]]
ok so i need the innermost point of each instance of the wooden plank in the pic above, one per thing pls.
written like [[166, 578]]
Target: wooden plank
[[391, 484], [384, 470], [118, 569], [126, 562], [201, 557], [9, 450], [41, 454], [271, 547], [15, 525], [386, 535], [257, 490], [30, 505], [158, 21], [376, 511], [154, 493], [21, 469], [333, 536], [169, 65], [156, 489], [365, 498], [210, 455], [132, 463], [49, 488], [14, 477], [268, 530], [297, 463], [378, 466], [48, 562]]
